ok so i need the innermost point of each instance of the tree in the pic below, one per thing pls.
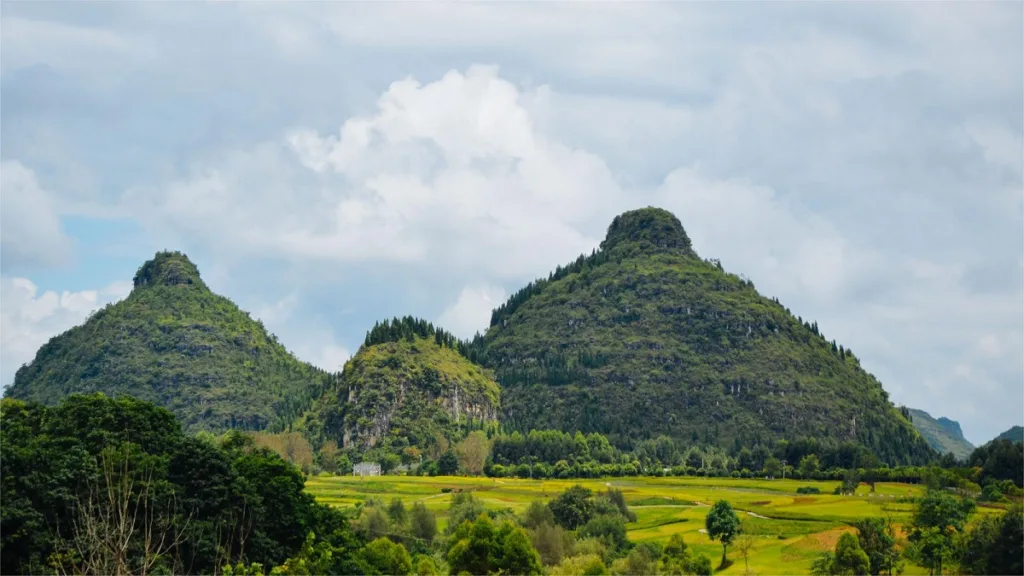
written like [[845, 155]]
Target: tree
[[877, 538], [397, 513], [473, 451], [481, 548], [849, 559], [552, 542], [995, 545], [536, 514], [383, 556], [609, 528], [723, 525], [448, 464], [939, 518], [423, 523], [809, 465], [745, 545], [675, 556], [772, 467], [573, 508]]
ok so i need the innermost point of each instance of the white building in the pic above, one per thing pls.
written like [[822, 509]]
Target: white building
[[366, 469]]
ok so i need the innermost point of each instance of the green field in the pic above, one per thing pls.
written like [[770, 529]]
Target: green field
[[791, 528]]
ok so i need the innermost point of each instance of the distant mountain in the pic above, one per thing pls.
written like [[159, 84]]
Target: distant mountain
[[408, 385], [643, 338], [1015, 434], [175, 343], [943, 435]]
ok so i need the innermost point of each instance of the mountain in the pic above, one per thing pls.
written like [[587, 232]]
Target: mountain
[[643, 338], [175, 343], [1014, 434], [408, 385], [943, 435]]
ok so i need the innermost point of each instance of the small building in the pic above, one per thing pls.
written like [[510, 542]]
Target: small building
[[366, 469]]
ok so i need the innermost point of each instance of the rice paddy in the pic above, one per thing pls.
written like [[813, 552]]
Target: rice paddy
[[791, 529]]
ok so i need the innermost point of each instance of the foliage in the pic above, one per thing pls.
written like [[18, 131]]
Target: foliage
[[722, 524], [573, 508], [552, 542], [1001, 460], [472, 452], [939, 520], [409, 392], [207, 503], [448, 464], [877, 537], [643, 339], [423, 523], [481, 547], [581, 565], [995, 545], [382, 556], [176, 344], [850, 559], [609, 529]]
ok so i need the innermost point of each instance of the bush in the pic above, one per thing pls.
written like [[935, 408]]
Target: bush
[[808, 490]]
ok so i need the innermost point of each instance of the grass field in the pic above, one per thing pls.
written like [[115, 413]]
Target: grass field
[[791, 528]]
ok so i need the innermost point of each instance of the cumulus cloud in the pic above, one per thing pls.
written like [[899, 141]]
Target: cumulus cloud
[[471, 311], [453, 171], [28, 318], [30, 228]]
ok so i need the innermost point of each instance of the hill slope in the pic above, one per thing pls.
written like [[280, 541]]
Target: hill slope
[[175, 343], [644, 338], [1014, 434], [408, 385], [943, 435]]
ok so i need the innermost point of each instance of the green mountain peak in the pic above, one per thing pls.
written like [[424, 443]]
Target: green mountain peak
[[169, 269], [647, 229]]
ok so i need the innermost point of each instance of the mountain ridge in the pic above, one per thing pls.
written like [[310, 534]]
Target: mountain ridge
[[173, 342], [646, 326], [943, 435]]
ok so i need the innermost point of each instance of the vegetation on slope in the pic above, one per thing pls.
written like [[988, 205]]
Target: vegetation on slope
[[1014, 434], [644, 338], [943, 435], [408, 386], [175, 343]]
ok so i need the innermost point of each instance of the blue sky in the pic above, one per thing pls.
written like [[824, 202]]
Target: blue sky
[[330, 164]]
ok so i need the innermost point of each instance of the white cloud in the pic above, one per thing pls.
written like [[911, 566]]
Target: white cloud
[[310, 341], [453, 169], [471, 311], [29, 319], [30, 228]]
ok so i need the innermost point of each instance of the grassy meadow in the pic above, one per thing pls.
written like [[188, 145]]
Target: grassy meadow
[[791, 528]]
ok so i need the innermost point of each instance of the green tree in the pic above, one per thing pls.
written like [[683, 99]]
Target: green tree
[[573, 508], [382, 556], [552, 542], [809, 465], [995, 545], [849, 559], [877, 538], [939, 518], [675, 556], [536, 514], [609, 528], [422, 522], [397, 512], [448, 464], [723, 525], [772, 467]]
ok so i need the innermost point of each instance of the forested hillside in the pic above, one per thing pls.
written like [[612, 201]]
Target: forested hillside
[[408, 386], [644, 338], [177, 344], [943, 435]]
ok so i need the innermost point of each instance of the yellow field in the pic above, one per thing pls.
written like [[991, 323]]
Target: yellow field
[[791, 528]]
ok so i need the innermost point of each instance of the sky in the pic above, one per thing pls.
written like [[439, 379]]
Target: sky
[[327, 165]]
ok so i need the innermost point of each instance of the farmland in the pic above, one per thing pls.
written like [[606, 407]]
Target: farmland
[[791, 528]]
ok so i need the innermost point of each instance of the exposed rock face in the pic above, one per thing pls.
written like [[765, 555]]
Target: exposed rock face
[[407, 393]]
